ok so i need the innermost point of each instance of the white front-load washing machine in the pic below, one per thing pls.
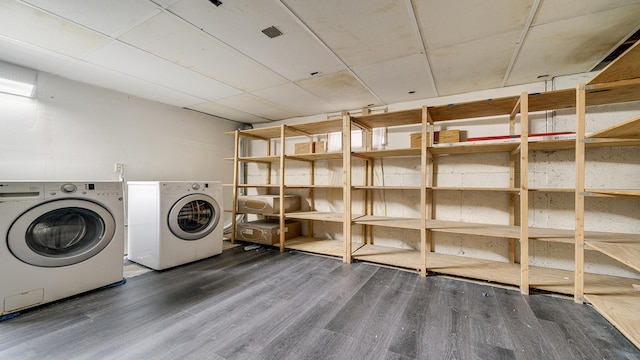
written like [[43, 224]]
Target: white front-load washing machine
[[58, 239], [174, 222]]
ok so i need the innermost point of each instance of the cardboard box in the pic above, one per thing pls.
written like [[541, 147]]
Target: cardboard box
[[267, 204], [442, 136], [303, 148], [416, 140], [319, 147], [266, 232], [447, 136]]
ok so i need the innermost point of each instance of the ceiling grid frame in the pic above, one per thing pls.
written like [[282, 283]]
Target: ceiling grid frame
[[523, 36], [421, 45]]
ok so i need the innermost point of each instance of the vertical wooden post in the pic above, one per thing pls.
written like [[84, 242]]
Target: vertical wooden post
[[423, 192], [268, 177], [512, 184], [346, 185], [312, 198], [524, 194], [581, 103], [367, 230], [282, 219], [430, 169], [236, 153]]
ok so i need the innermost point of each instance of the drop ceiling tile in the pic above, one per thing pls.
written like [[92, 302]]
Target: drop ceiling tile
[[99, 76], [171, 38], [573, 45], [36, 27], [165, 3], [225, 112], [27, 55], [444, 24], [108, 17], [139, 64], [239, 24], [291, 96], [360, 33], [473, 65], [341, 90], [555, 10], [257, 106], [392, 80]]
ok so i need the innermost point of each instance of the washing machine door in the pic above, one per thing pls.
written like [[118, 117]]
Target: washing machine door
[[61, 232], [194, 217]]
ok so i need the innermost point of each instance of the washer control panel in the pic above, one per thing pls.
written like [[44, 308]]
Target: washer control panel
[[83, 189]]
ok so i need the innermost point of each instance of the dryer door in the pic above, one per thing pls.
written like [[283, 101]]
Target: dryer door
[[194, 217], [61, 232]]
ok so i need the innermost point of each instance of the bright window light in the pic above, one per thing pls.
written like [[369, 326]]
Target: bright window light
[[17, 80], [16, 88]]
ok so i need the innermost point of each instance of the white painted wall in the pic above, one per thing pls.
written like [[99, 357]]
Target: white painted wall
[[614, 168], [74, 131]]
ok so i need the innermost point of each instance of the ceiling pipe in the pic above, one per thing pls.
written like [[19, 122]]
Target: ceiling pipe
[[523, 35]]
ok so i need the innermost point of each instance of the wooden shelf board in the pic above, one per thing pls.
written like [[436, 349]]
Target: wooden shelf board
[[627, 251], [250, 186], [619, 304], [404, 258], [612, 192], [269, 132], [315, 156], [548, 145], [395, 118], [546, 279], [474, 109], [494, 271], [316, 246], [624, 67], [380, 187], [260, 159], [446, 188], [302, 186], [473, 148], [600, 95], [553, 190], [394, 222], [629, 129], [377, 154], [316, 215], [552, 100], [318, 127], [500, 231]]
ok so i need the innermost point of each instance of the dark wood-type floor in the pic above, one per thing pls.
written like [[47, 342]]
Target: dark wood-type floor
[[261, 304]]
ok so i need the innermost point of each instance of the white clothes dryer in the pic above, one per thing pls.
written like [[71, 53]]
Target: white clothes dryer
[[58, 239], [173, 223]]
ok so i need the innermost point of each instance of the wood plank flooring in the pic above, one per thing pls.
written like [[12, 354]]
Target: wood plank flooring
[[261, 304]]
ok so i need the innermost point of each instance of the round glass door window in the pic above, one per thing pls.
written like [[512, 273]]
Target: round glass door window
[[60, 233], [194, 217], [64, 232]]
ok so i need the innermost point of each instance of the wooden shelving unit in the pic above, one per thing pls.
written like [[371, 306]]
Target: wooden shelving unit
[[617, 298], [271, 136], [407, 258]]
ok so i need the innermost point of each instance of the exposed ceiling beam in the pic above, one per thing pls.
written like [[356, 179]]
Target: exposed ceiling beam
[[523, 36]]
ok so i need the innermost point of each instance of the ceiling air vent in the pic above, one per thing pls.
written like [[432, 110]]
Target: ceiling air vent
[[618, 51], [272, 32]]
